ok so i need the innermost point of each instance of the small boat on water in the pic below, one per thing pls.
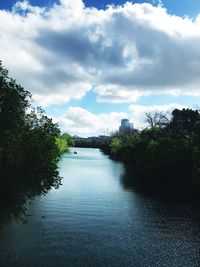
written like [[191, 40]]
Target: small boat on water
[[75, 152]]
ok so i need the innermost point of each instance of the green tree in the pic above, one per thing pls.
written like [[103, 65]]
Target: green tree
[[116, 146], [64, 142], [28, 152], [165, 154]]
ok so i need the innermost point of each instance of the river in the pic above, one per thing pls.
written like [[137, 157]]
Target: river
[[95, 219]]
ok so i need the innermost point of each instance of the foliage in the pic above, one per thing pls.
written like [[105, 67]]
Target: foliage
[[28, 152], [64, 142], [116, 145], [167, 153]]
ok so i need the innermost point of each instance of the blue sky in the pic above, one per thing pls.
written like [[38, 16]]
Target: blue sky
[[89, 68], [177, 7]]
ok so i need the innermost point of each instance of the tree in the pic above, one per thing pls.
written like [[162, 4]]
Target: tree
[[28, 152], [157, 119], [186, 120], [116, 145], [166, 154], [64, 142]]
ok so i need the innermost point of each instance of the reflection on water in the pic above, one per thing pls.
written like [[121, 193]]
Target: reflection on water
[[97, 219], [17, 190]]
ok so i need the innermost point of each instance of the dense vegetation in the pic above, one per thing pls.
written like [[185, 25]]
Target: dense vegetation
[[28, 151], [167, 154], [64, 142]]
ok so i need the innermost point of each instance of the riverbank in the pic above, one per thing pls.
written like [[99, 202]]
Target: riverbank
[[165, 155]]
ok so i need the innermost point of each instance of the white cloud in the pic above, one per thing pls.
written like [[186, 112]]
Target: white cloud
[[118, 94], [79, 121], [82, 122], [62, 52]]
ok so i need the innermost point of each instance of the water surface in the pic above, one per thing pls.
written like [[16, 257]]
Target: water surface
[[93, 219]]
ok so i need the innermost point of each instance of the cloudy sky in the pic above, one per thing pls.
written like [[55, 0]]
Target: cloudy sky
[[91, 63]]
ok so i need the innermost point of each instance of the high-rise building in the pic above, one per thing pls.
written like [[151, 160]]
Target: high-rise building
[[131, 125], [125, 125]]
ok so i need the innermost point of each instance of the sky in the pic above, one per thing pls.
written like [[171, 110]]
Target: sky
[[91, 63]]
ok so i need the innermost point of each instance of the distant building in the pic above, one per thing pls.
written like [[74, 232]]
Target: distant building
[[124, 123], [131, 125], [125, 126]]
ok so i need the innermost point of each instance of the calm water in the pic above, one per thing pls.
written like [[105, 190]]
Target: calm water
[[95, 220]]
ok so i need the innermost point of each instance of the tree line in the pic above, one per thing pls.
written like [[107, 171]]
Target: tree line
[[165, 154], [30, 146]]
